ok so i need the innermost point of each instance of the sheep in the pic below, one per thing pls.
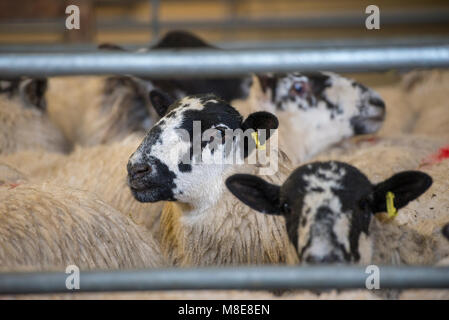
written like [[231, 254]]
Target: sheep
[[298, 99], [24, 122], [100, 110], [328, 209], [322, 108], [46, 228], [98, 169], [380, 160], [202, 224]]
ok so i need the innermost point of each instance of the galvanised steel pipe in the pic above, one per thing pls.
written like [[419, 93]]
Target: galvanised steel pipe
[[254, 278], [200, 63]]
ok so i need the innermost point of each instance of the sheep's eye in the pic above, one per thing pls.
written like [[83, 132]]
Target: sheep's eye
[[222, 130], [298, 88], [220, 134], [286, 208]]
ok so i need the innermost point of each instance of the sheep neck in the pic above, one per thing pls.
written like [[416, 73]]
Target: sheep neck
[[226, 233]]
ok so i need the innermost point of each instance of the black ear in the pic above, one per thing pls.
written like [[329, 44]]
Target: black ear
[[267, 82], [110, 47], [260, 120], [406, 186], [181, 39], [445, 231], [32, 92], [160, 101], [255, 193]]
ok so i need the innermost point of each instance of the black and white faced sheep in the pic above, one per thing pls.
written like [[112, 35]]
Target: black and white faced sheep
[[202, 223], [24, 122], [322, 108], [328, 207]]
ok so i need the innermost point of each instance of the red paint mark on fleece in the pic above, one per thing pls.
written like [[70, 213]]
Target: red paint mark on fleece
[[440, 155], [371, 140]]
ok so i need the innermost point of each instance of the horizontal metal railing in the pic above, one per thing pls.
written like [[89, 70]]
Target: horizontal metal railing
[[199, 63], [253, 278]]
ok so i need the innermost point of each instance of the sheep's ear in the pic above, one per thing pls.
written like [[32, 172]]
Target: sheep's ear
[[255, 193], [267, 81], [260, 120], [32, 93], [446, 231], [404, 186], [110, 47], [160, 101]]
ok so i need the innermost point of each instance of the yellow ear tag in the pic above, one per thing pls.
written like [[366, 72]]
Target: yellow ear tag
[[255, 136], [392, 211]]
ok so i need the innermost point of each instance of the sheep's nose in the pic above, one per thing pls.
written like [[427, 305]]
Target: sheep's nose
[[138, 170], [375, 101]]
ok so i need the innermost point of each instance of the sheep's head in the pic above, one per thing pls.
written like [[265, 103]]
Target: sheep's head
[[125, 100], [328, 207], [322, 107], [190, 148], [30, 92]]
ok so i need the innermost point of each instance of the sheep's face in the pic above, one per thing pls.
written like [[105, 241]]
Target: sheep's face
[[328, 207], [331, 106], [187, 151], [125, 100], [30, 92]]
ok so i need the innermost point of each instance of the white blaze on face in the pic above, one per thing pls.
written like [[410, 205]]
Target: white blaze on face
[[320, 194]]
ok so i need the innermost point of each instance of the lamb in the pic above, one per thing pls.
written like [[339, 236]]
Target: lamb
[[24, 122], [328, 209], [202, 224], [47, 228], [382, 159]]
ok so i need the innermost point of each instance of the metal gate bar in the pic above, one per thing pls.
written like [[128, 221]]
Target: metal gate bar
[[200, 63], [254, 278]]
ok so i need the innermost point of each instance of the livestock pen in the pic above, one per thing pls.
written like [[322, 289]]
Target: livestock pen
[[414, 136]]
